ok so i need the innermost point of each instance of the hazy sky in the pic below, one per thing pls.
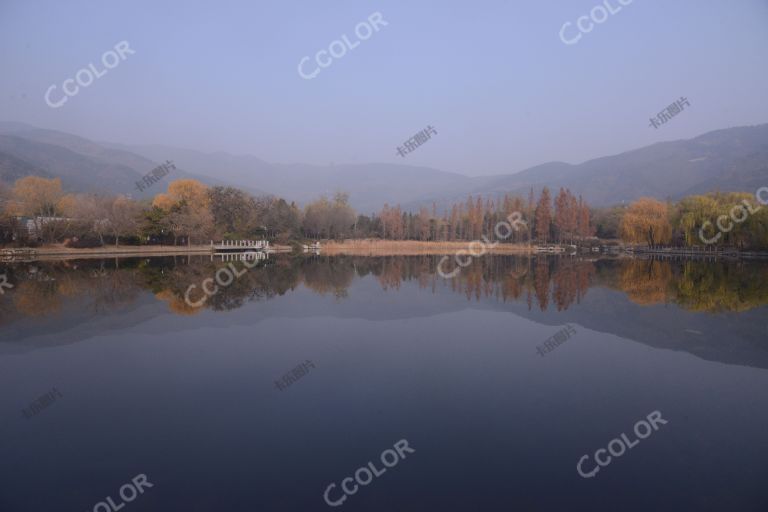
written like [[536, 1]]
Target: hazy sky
[[494, 78]]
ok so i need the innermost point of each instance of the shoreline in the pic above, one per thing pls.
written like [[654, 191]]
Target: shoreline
[[59, 252], [348, 247]]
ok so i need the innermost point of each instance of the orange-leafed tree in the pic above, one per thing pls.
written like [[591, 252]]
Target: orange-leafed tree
[[583, 220], [562, 214], [543, 216]]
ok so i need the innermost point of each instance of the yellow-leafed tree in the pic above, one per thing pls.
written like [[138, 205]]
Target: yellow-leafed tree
[[187, 207], [35, 196], [646, 220]]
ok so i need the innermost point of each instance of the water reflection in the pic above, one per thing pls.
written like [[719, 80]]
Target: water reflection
[[154, 386], [544, 282]]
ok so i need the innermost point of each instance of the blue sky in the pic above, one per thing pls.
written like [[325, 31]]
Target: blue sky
[[494, 79]]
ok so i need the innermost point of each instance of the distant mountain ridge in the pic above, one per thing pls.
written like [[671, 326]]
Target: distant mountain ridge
[[370, 185], [732, 159], [728, 160], [82, 165]]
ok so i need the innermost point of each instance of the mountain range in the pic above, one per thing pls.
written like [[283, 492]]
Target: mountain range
[[732, 159]]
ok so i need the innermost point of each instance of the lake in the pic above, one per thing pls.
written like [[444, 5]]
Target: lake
[[373, 384]]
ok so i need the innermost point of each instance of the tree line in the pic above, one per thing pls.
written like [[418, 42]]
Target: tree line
[[190, 212], [691, 221], [567, 219]]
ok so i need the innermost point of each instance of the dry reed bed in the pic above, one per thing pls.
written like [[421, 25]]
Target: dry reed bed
[[412, 248]]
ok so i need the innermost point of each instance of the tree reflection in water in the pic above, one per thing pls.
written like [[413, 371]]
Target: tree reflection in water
[[42, 288]]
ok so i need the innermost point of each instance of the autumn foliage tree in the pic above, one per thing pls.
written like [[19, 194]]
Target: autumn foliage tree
[[646, 220], [543, 216], [332, 219], [583, 219], [187, 205], [38, 197], [565, 216], [33, 196]]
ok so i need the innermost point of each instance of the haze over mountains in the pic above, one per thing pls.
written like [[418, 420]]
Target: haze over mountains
[[733, 159]]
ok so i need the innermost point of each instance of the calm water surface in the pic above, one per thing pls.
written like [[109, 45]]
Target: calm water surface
[[304, 369]]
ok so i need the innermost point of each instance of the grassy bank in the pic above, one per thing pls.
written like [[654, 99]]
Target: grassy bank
[[411, 247]]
